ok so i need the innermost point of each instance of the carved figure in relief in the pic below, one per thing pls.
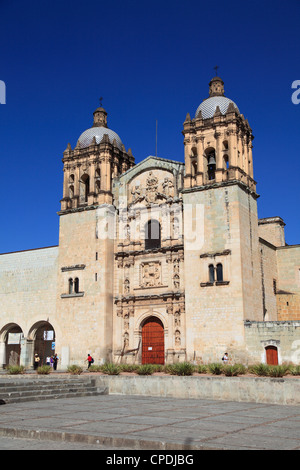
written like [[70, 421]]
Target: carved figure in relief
[[176, 281], [151, 273], [126, 339], [177, 338], [126, 286], [168, 187], [151, 188], [177, 320], [126, 321]]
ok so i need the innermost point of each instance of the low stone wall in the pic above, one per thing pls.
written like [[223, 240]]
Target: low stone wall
[[283, 391]]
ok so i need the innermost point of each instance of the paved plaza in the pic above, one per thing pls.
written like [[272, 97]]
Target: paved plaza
[[148, 423]]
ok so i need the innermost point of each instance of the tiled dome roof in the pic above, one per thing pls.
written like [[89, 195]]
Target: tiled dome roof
[[208, 107], [87, 136]]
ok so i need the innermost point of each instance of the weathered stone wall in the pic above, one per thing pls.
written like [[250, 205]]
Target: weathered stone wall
[[269, 279], [288, 286], [285, 336], [271, 229], [284, 391], [225, 222], [28, 287], [86, 252]]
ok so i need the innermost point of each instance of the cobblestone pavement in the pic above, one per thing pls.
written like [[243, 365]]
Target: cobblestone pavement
[[137, 423]]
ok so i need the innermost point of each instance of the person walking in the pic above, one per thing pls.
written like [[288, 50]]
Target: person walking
[[225, 358], [90, 360]]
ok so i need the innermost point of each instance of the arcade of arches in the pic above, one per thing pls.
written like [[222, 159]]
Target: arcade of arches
[[16, 349]]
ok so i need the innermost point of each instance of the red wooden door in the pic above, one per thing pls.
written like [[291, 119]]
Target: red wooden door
[[272, 355], [153, 344]]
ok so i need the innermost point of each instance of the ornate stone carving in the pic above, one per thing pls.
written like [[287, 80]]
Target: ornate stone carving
[[150, 274], [126, 321], [177, 320], [168, 187], [126, 286], [177, 338], [152, 193]]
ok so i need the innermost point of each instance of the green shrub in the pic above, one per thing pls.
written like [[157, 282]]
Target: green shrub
[[168, 368], [202, 369], [44, 370], [75, 369], [15, 370], [259, 369], [294, 370], [233, 370], [215, 368], [145, 369], [278, 371], [181, 368], [158, 367], [110, 369], [95, 368], [128, 367]]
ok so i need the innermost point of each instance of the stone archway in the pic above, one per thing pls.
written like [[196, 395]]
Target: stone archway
[[153, 341], [11, 337], [43, 335]]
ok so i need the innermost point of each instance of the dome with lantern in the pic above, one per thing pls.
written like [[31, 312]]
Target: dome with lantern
[[216, 99]]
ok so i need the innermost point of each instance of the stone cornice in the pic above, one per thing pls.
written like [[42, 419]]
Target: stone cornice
[[220, 185]]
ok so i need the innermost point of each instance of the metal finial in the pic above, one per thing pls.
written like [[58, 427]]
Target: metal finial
[[100, 100], [216, 69]]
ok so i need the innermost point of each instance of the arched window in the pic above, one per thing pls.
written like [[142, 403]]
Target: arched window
[[219, 272], [84, 188], [97, 180], [211, 271], [76, 285], [70, 286], [152, 235], [211, 166]]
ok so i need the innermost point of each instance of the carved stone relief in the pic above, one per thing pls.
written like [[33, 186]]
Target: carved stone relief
[[153, 191], [150, 274]]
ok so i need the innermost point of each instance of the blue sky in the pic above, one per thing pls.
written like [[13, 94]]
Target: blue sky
[[150, 61]]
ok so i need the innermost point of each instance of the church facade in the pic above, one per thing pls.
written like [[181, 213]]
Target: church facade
[[160, 261]]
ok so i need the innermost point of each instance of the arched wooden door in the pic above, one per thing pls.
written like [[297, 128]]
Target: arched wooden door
[[153, 342], [272, 355]]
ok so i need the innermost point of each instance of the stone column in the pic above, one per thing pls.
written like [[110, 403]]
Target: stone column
[[2, 354], [188, 165], [219, 158], [27, 352], [200, 169]]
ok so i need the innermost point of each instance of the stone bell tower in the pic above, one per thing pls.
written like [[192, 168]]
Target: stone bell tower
[[89, 168], [221, 233], [86, 241], [218, 142]]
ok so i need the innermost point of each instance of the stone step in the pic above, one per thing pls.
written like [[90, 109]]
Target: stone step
[[24, 387], [54, 396], [14, 391], [46, 391]]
